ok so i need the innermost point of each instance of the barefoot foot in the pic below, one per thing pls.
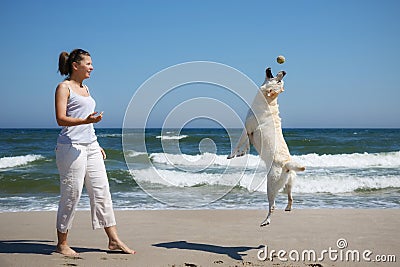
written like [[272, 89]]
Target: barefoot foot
[[118, 245], [66, 250]]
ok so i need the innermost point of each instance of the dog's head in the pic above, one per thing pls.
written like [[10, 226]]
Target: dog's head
[[272, 83]]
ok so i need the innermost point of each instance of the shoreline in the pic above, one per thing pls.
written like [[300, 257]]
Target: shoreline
[[205, 237]]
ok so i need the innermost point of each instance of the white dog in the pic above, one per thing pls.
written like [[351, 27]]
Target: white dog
[[263, 130]]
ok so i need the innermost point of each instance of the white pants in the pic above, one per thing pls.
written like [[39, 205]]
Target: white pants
[[78, 165]]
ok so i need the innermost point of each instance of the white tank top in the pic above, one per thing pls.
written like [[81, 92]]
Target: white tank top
[[78, 106]]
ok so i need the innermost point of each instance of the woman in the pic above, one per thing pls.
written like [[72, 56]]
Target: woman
[[80, 159]]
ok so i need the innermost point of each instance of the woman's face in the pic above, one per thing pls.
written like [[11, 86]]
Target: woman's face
[[84, 67]]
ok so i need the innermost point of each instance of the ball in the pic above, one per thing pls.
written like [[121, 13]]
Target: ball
[[280, 59]]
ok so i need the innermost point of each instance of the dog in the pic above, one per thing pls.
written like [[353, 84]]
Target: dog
[[263, 130]]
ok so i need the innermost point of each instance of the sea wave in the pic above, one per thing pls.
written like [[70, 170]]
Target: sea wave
[[206, 159], [177, 178], [171, 137], [312, 182], [355, 160], [11, 162], [341, 173], [133, 153], [343, 183], [113, 135]]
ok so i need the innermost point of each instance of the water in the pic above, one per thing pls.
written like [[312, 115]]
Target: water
[[346, 168]]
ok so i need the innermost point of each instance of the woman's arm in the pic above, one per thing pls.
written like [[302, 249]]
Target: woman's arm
[[61, 99]]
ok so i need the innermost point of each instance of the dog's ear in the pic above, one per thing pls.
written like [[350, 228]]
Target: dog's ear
[[268, 73], [280, 75]]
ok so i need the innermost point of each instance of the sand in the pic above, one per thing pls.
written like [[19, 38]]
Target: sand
[[209, 238]]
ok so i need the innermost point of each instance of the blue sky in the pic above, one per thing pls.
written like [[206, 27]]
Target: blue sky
[[342, 56]]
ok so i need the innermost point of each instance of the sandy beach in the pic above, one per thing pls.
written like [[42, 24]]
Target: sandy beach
[[210, 238]]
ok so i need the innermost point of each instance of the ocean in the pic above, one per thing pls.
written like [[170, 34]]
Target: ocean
[[346, 168]]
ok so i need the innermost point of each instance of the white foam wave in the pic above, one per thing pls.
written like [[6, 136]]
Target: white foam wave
[[342, 183], [109, 135], [10, 162], [304, 183], [206, 159], [178, 178], [171, 137], [355, 160], [133, 153], [356, 171]]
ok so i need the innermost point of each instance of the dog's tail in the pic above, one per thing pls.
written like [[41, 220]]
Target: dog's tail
[[243, 141], [294, 166]]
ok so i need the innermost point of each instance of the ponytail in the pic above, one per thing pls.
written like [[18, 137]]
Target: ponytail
[[65, 60], [63, 67]]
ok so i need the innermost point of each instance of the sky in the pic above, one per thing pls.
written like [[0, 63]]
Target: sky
[[342, 57]]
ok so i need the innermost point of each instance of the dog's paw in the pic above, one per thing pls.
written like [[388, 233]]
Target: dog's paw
[[265, 222]]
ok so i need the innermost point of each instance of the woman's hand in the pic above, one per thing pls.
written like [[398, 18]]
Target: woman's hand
[[103, 153], [94, 119]]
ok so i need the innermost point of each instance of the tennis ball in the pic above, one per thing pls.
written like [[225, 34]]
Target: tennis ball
[[280, 59]]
